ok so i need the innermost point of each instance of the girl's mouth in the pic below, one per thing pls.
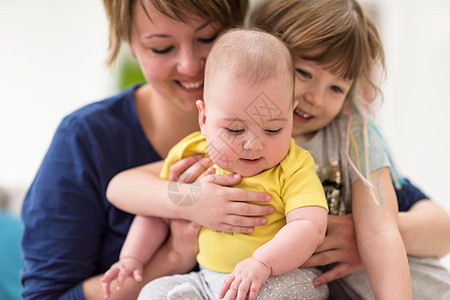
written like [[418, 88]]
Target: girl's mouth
[[302, 115]]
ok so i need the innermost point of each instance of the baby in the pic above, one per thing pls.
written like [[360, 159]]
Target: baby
[[246, 125]]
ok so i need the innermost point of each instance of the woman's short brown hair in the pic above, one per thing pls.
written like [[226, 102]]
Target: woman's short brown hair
[[228, 13]]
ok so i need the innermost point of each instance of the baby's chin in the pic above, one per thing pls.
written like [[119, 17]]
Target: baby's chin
[[246, 171]]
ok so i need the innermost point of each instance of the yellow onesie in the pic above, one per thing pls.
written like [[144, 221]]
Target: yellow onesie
[[293, 183]]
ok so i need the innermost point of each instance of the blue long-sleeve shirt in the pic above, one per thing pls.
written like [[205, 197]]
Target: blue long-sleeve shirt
[[71, 231]]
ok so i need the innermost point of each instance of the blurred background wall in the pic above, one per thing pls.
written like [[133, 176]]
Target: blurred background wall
[[52, 61]]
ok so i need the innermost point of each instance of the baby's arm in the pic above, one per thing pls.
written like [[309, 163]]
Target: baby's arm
[[379, 241], [145, 236], [291, 247]]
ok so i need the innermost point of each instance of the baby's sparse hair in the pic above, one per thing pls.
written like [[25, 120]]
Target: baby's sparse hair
[[252, 56]]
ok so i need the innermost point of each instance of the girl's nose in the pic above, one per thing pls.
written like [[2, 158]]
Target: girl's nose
[[190, 62], [313, 97]]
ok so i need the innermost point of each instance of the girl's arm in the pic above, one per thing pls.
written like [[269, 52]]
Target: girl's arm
[[141, 191], [378, 238], [291, 247], [424, 228]]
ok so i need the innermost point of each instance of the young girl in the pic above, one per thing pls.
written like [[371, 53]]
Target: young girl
[[335, 47]]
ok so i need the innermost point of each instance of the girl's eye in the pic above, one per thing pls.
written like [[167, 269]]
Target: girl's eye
[[337, 89], [303, 73], [276, 131], [234, 131], [162, 51], [209, 40]]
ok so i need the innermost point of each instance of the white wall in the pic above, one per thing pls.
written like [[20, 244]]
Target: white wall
[[415, 113], [52, 55]]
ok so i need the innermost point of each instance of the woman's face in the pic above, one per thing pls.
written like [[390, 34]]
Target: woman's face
[[320, 95], [172, 54]]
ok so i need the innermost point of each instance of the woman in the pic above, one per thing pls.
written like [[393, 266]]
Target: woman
[[72, 233]]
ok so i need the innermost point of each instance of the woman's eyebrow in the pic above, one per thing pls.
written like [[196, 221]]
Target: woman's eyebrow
[[160, 35], [164, 35], [202, 26]]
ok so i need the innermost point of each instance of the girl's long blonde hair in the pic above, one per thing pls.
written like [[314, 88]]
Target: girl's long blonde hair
[[336, 34], [341, 37]]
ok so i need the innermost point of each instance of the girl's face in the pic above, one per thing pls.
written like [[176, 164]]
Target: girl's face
[[172, 54], [320, 96]]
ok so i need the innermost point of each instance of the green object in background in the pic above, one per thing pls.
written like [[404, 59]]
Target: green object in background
[[10, 256], [129, 72]]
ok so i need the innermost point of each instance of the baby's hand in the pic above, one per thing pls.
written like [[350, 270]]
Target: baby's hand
[[247, 278], [121, 270]]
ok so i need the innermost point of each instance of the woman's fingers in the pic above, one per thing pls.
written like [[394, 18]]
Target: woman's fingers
[[212, 203], [342, 255], [239, 208], [188, 169], [336, 272], [237, 194]]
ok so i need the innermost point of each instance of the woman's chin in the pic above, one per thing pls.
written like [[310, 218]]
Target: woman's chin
[[189, 106]]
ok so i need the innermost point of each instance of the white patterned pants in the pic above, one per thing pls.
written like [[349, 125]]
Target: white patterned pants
[[206, 284]]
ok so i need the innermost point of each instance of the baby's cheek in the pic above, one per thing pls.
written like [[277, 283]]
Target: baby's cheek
[[222, 153]]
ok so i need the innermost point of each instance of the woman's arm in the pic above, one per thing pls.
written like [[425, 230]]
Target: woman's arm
[[378, 238], [217, 206], [425, 229]]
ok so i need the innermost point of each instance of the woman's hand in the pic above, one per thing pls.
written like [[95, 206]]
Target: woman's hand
[[190, 168], [216, 205], [339, 246], [183, 242]]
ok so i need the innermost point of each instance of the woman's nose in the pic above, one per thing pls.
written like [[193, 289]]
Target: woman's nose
[[190, 62]]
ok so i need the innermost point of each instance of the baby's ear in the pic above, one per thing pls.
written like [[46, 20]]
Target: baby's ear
[[201, 115]]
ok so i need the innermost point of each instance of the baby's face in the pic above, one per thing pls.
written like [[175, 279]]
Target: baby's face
[[248, 128]]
